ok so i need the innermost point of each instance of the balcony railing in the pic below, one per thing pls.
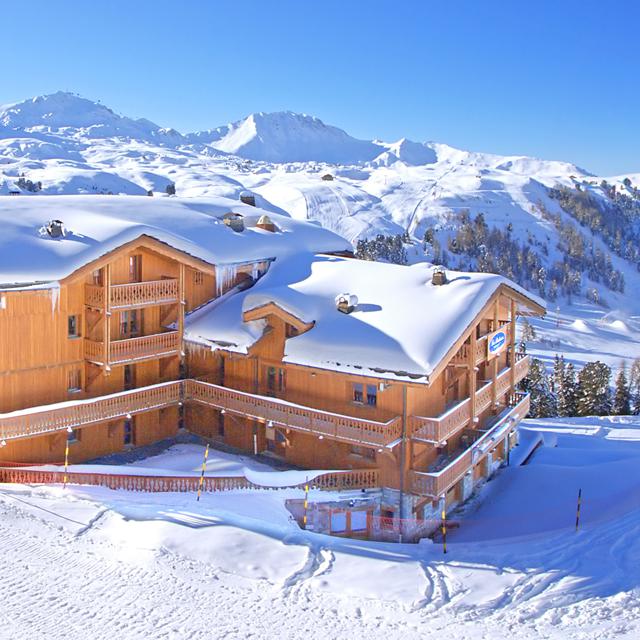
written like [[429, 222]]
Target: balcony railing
[[61, 416], [135, 294], [70, 415], [457, 417], [133, 349], [294, 416], [438, 483], [462, 357]]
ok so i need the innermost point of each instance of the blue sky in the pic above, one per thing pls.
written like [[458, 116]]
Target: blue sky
[[554, 79]]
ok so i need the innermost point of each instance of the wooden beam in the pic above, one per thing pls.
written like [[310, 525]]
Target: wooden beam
[[181, 304], [512, 352], [471, 364], [107, 317], [494, 360]]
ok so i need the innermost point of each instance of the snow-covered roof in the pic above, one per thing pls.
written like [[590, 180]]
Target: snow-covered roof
[[97, 224], [403, 325]]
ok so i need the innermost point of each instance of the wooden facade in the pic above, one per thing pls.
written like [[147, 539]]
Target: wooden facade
[[112, 335]]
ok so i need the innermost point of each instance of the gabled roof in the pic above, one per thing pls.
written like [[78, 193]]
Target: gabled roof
[[403, 326], [98, 224]]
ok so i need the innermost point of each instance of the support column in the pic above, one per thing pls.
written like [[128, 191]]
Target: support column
[[512, 347], [494, 364], [181, 303], [107, 318], [472, 374]]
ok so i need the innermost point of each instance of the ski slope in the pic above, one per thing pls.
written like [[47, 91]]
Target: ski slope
[[89, 562]]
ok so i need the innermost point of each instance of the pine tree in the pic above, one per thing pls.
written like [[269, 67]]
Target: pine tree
[[543, 402], [558, 374], [567, 394], [528, 332], [594, 397], [634, 387], [621, 399]]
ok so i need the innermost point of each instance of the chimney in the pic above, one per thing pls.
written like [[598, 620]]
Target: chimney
[[55, 228], [439, 277], [346, 302]]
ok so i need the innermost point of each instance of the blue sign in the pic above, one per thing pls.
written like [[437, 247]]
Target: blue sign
[[497, 342]]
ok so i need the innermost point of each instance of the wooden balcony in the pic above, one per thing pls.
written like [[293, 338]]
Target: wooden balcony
[[64, 415], [61, 416], [457, 417], [294, 416], [133, 349], [462, 357], [133, 295], [438, 483]]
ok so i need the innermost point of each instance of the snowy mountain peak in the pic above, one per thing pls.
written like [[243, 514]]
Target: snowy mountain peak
[[285, 136], [70, 113]]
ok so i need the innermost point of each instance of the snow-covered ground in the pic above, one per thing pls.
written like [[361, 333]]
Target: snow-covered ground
[[90, 562]]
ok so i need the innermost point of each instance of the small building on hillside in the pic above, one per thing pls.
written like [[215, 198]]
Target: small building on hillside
[[327, 177]]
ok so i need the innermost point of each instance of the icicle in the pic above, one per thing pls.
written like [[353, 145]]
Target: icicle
[[54, 294], [225, 277]]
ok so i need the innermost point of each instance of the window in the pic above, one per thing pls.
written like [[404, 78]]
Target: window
[[135, 268], [372, 395], [338, 521], [358, 520], [129, 375], [97, 277], [291, 331], [128, 435], [131, 323], [198, 277], [276, 379], [73, 326], [358, 393], [74, 382], [73, 436]]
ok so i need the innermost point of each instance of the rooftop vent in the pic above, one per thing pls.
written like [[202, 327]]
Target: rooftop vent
[[234, 220], [346, 302], [266, 223], [55, 228], [439, 277]]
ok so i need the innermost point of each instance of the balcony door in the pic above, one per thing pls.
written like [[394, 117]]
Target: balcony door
[[131, 323], [135, 268]]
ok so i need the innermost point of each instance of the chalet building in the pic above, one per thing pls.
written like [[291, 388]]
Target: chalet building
[[124, 319]]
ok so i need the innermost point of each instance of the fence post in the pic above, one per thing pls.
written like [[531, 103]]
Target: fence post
[[443, 502], [578, 508], [204, 466], [66, 458], [306, 503]]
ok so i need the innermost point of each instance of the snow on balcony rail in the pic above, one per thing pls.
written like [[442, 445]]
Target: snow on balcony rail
[[74, 414], [294, 416], [134, 294], [329, 481], [438, 482], [458, 416]]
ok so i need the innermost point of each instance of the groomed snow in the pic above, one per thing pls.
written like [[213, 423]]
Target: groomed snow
[[98, 224], [403, 324], [90, 562]]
